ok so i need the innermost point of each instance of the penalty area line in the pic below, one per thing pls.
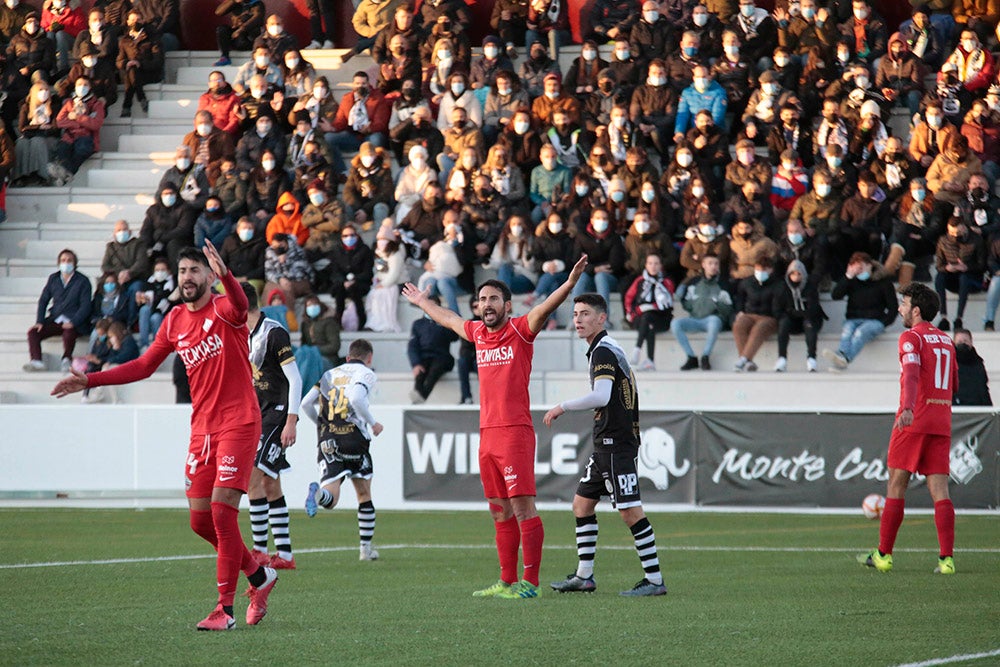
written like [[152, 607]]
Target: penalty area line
[[964, 657], [389, 547]]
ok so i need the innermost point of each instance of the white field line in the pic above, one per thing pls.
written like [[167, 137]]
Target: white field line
[[467, 547], [965, 657]]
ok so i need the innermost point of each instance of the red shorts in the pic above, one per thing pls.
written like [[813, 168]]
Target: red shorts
[[507, 461], [224, 458], [924, 453]]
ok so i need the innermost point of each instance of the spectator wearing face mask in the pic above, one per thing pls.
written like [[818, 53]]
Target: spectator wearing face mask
[[208, 145], [930, 135], [259, 65], [811, 28], [462, 135], [402, 65], [413, 181], [650, 35], [735, 74], [798, 310], [275, 39], [313, 167], [299, 74], [748, 204], [763, 108], [63, 22], [894, 170], [818, 211], [703, 94], [756, 316], [867, 32], [981, 127], [266, 183], [839, 171], [363, 116], [155, 299], [168, 226], [503, 100], [549, 181], [324, 217], [975, 67], [653, 108], [512, 256], [191, 180], [645, 237], [111, 301], [416, 130], [582, 76], [246, 21], [231, 188], [745, 168], [916, 227], [139, 62], [243, 253], [757, 31], [80, 121], [126, 256], [747, 246], [486, 67], [99, 33], [790, 182], [523, 141], [213, 224], [900, 75], [441, 22], [287, 219], [606, 256], [534, 69], [261, 137], [960, 259], [288, 272], [552, 252], [871, 307], [949, 173], [351, 272], [796, 245], [973, 381], [649, 307], [403, 24], [100, 70], [709, 306]]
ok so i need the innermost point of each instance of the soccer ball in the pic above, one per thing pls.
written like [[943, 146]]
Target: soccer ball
[[873, 505]]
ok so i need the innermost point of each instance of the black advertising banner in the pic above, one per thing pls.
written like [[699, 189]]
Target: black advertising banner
[[440, 456], [725, 458]]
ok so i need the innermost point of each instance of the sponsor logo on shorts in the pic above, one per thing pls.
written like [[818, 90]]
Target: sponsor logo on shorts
[[229, 460], [510, 477]]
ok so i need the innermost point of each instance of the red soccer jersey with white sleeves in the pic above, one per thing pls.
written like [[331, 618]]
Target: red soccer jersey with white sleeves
[[932, 353], [503, 361], [213, 343]]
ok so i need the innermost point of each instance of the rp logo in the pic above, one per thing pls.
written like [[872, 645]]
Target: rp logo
[[229, 460], [658, 458], [627, 484]]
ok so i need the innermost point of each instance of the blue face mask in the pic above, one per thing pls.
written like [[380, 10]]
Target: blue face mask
[[761, 276], [109, 288], [349, 241], [796, 239], [617, 196], [102, 337], [690, 51], [312, 310], [864, 275]]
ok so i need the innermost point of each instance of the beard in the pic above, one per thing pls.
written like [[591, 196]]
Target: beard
[[188, 296], [492, 318]]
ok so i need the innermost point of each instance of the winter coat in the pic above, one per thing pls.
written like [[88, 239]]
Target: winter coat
[[366, 187], [359, 260], [759, 43], [744, 253], [702, 297], [798, 301], [652, 104], [970, 250], [223, 106], [902, 74], [945, 170], [244, 258], [324, 223], [264, 188], [697, 247], [284, 223], [378, 109], [497, 107], [130, 256], [212, 227], [429, 341], [31, 52], [543, 108], [143, 47], [872, 299], [606, 249], [86, 125], [714, 99], [820, 214], [647, 293], [251, 147], [973, 382], [71, 300], [68, 19], [983, 135], [756, 298], [552, 247], [323, 332]]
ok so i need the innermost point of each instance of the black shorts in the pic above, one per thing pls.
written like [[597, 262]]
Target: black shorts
[[343, 456], [612, 474], [270, 454]]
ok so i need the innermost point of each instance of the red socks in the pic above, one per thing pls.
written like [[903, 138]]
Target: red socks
[[202, 525], [233, 554], [944, 519], [892, 518], [508, 542], [532, 536]]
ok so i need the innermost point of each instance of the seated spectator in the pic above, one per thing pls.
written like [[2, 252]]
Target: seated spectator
[[429, 354], [582, 76], [756, 318], [750, 204], [548, 24], [154, 299], [831, 131], [231, 189], [140, 61], [213, 224], [606, 253], [287, 269], [818, 210], [789, 135], [900, 75], [709, 308], [930, 134], [422, 226], [915, 229], [864, 220], [982, 129], [192, 183], [27, 52], [99, 33], [553, 252], [266, 184], [80, 120], [976, 68], [461, 135], [313, 167], [403, 65], [797, 245], [443, 267], [97, 351], [259, 65], [679, 65], [871, 307], [973, 382], [287, 219], [653, 108], [263, 136], [323, 216], [403, 24], [161, 17], [534, 69], [893, 170], [486, 67], [549, 181], [319, 348], [275, 39], [368, 192], [389, 275], [62, 22], [798, 310], [704, 239], [63, 310], [868, 142], [866, 29], [960, 258], [111, 300], [246, 22], [704, 93], [649, 308], [243, 252], [763, 110], [512, 256], [416, 130], [413, 182], [351, 271], [949, 173], [523, 141], [646, 237], [127, 257], [748, 245], [168, 226], [839, 171], [299, 75], [790, 182], [745, 168], [39, 136], [363, 116], [208, 145], [922, 38]]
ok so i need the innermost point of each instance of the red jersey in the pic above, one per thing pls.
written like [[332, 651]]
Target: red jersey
[[927, 352], [213, 343], [503, 360]]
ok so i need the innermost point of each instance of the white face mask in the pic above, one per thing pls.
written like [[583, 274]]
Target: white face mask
[[418, 163], [262, 61], [490, 52], [700, 84], [65, 268], [969, 45], [503, 92], [123, 236], [161, 276], [521, 127], [317, 199], [457, 89], [444, 55], [89, 61], [245, 235], [731, 50], [94, 25], [44, 94], [861, 81], [516, 230], [648, 196], [700, 19], [843, 56], [697, 192], [781, 62], [168, 200], [861, 14], [555, 227], [789, 166], [656, 80], [548, 163], [642, 227], [934, 121], [684, 159], [274, 30], [747, 10], [590, 55], [256, 93], [81, 91], [319, 93], [183, 163], [292, 63], [367, 160], [622, 55], [204, 129], [268, 165], [618, 121], [600, 226], [651, 17], [823, 189]]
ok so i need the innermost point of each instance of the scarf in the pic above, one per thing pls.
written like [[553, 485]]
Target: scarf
[[916, 217], [500, 179], [654, 292], [357, 117]]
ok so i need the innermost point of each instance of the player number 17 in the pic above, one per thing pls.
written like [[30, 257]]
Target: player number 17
[[942, 368]]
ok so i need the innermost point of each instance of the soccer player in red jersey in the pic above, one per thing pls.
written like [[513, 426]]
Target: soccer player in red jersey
[[921, 436], [504, 348], [210, 335]]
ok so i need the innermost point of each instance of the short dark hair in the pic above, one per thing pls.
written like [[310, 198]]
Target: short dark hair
[[496, 284], [67, 251], [924, 298], [193, 254], [251, 293], [594, 300], [764, 261], [359, 349]]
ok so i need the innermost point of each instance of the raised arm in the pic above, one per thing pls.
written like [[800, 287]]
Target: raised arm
[[449, 319], [538, 315]]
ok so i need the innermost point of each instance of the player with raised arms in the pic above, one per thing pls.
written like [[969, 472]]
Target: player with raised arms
[[921, 435], [504, 349], [211, 337], [612, 469]]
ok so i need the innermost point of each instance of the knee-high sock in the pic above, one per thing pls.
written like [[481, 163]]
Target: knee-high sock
[[233, 554], [944, 519], [508, 537], [366, 522], [204, 527], [258, 523], [532, 536], [645, 547], [278, 517], [892, 518], [586, 545]]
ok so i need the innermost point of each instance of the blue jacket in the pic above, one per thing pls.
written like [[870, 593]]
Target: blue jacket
[[71, 300], [714, 99], [429, 340]]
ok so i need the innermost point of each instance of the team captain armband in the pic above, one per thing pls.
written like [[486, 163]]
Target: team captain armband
[[911, 358]]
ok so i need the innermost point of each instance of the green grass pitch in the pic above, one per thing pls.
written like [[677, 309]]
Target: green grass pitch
[[744, 589]]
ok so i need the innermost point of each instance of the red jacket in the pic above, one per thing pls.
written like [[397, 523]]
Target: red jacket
[[88, 124], [223, 108], [633, 307], [378, 112], [72, 20]]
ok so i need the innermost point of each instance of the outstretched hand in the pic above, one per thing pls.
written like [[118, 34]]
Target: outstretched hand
[[578, 269], [553, 415], [215, 260], [70, 384], [415, 296]]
